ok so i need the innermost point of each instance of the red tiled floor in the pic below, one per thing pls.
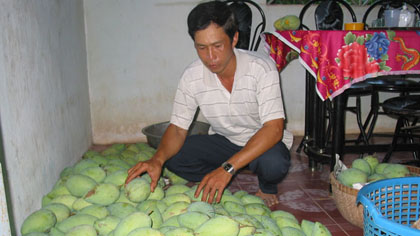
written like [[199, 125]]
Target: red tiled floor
[[305, 192]]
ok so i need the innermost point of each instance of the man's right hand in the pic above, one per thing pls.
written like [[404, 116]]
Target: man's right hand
[[153, 167], [171, 143]]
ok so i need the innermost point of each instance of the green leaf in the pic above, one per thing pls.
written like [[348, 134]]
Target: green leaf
[[368, 37], [346, 78], [384, 57], [382, 64], [391, 34], [337, 60], [360, 40], [386, 68], [349, 38]]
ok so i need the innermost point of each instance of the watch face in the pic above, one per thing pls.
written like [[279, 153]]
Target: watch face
[[228, 167]]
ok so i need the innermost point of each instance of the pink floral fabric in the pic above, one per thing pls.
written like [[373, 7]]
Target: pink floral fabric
[[337, 59]]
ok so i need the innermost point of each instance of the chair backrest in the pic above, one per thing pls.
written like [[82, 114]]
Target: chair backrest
[[384, 4], [328, 14], [243, 14]]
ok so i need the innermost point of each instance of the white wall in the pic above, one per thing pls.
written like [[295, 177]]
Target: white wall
[[137, 51], [44, 102]]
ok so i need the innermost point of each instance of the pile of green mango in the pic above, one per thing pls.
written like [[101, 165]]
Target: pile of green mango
[[368, 169], [90, 199]]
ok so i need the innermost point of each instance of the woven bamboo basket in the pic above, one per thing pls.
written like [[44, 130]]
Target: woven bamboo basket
[[345, 199]]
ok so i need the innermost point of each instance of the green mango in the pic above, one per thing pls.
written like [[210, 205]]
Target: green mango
[[257, 209], [218, 226], [287, 222], [282, 213], [103, 194], [233, 207], [96, 173], [137, 190], [117, 178], [176, 188], [362, 165], [170, 222], [176, 208], [373, 162], [246, 227], [192, 219], [40, 221], [202, 207], [90, 153], [55, 232], [143, 206], [98, 211], [121, 209], [248, 198], [58, 190], [131, 222], [67, 200], [79, 204], [265, 232], [83, 164], [352, 175], [269, 224], [307, 227], [291, 231], [396, 171], [60, 211], [75, 220], [106, 225], [176, 197], [145, 232], [180, 231], [157, 194], [320, 230], [82, 230], [78, 185]]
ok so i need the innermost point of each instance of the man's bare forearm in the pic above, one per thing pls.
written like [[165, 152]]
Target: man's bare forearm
[[270, 134], [171, 142]]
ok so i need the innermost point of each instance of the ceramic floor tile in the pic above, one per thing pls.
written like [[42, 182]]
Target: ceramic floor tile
[[336, 230], [331, 209], [351, 229], [246, 178]]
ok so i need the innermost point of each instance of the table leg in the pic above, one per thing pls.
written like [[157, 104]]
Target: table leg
[[308, 111], [320, 121], [338, 123], [315, 120]]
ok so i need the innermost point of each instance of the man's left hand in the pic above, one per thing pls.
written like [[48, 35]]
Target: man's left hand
[[214, 182]]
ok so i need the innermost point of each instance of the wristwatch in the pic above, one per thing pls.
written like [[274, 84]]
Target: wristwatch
[[228, 168]]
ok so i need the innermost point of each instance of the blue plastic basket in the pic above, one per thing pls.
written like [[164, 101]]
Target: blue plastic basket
[[390, 206]]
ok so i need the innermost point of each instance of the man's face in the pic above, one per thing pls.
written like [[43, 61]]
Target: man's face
[[214, 48]]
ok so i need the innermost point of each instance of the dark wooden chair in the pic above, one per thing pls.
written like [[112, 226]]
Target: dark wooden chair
[[407, 111], [386, 84], [243, 13]]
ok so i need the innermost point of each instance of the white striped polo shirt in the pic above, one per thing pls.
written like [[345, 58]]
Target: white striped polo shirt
[[255, 98]]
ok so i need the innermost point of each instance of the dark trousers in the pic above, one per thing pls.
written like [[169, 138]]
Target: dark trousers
[[202, 154]]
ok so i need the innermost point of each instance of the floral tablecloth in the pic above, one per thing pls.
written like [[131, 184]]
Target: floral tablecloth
[[337, 59]]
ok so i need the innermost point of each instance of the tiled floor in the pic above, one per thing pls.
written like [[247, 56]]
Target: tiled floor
[[305, 193]]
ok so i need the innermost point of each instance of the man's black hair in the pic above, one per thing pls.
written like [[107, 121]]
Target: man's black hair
[[212, 12]]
